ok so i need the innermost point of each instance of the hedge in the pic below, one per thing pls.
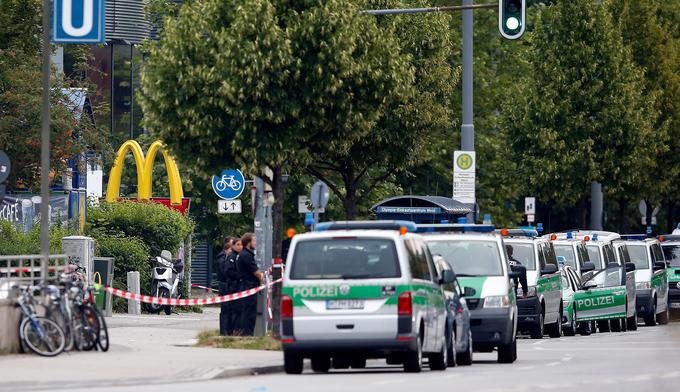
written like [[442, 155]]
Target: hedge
[[13, 241]]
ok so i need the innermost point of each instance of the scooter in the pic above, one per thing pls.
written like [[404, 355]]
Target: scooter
[[166, 274]]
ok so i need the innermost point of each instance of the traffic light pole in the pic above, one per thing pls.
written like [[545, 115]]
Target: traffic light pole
[[467, 131]]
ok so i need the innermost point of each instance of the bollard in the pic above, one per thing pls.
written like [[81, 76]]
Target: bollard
[[10, 316], [134, 307]]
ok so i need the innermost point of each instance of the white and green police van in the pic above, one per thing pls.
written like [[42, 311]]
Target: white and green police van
[[541, 308], [359, 290], [572, 249], [478, 257], [651, 283], [670, 244]]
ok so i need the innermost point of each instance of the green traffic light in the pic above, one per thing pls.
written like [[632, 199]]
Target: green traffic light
[[512, 23]]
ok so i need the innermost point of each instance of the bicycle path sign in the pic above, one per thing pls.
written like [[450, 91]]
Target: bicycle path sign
[[229, 185]]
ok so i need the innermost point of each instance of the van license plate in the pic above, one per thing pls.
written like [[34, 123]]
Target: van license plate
[[344, 304]]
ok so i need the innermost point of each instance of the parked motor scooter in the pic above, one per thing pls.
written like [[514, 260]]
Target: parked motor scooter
[[166, 274]]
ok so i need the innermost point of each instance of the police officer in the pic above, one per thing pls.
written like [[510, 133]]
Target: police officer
[[251, 277], [234, 285], [225, 322], [516, 266]]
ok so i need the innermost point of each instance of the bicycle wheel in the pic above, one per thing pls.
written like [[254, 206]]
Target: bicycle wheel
[[57, 315], [43, 336], [103, 339], [86, 328]]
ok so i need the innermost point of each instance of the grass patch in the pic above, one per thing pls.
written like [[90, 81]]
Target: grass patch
[[213, 339]]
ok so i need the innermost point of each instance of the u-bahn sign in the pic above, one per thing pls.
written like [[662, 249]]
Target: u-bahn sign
[[78, 21]]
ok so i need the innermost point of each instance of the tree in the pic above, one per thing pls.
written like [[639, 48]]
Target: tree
[[580, 115], [261, 83], [408, 129], [20, 101], [649, 33]]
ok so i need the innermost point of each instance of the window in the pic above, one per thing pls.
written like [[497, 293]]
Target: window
[[417, 261], [550, 256], [609, 255], [566, 251], [594, 256], [541, 256], [658, 254], [522, 253], [356, 258], [424, 253], [672, 254], [470, 258], [582, 254], [638, 255]]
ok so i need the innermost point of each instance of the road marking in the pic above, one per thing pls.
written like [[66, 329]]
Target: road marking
[[567, 358], [553, 364], [671, 375], [539, 342], [641, 377]]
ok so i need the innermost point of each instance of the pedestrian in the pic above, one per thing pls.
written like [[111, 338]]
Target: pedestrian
[[223, 286], [251, 277], [233, 285]]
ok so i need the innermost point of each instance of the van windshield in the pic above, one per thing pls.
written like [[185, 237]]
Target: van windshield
[[522, 253], [594, 256], [672, 253], [638, 255], [566, 251], [355, 258], [470, 258]]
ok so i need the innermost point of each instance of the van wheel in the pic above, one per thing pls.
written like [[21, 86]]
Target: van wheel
[[662, 317], [451, 352], [603, 325], [537, 330], [650, 317], [632, 322], [465, 358], [292, 363], [440, 360], [583, 328], [507, 353], [341, 362], [615, 325], [571, 329], [413, 360], [555, 330], [321, 363], [358, 363]]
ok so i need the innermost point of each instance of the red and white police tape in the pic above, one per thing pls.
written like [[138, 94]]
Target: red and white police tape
[[187, 301]]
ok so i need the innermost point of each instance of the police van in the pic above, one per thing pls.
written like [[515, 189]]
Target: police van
[[479, 258], [541, 308], [572, 249], [358, 290], [650, 276], [670, 244]]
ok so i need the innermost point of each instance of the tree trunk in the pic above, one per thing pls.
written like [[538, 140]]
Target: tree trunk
[[349, 202], [670, 215], [623, 206], [583, 214]]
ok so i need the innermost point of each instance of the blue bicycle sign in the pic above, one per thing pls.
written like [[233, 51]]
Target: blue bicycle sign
[[229, 185]]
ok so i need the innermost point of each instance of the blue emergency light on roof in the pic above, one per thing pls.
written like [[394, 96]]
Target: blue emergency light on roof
[[633, 237], [570, 235], [523, 231], [367, 225], [454, 228], [462, 220], [539, 228], [594, 236], [444, 221]]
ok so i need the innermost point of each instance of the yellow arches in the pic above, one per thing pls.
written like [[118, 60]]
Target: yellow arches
[[144, 172]]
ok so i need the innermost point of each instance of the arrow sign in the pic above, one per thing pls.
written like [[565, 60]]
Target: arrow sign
[[229, 206]]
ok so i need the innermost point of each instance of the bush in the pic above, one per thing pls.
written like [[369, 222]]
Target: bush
[[158, 226], [13, 241], [130, 254]]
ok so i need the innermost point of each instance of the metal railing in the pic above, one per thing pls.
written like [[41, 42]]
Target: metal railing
[[27, 270]]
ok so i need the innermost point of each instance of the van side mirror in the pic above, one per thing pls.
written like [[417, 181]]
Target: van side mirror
[[549, 269], [659, 265], [587, 267], [630, 267], [589, 285], [447, 277], [469, 292]]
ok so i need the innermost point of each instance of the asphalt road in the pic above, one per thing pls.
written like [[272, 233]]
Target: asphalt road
[[645, 360]]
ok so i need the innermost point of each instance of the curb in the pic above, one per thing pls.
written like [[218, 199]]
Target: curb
[[255, 371]]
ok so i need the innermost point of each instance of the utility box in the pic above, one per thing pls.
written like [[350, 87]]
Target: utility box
[[80, 251]]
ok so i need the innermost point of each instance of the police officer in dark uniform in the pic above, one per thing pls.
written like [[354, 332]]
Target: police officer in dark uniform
[[225, 320], [251, 277], [233, 285]]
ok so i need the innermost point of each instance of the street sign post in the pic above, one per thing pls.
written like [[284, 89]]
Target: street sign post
[[464, 176], [5, 168], [320, 195], [229, 185], [78, 21], [229, 206]]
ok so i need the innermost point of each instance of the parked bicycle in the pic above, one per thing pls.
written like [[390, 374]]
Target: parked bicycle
[[40, 334]]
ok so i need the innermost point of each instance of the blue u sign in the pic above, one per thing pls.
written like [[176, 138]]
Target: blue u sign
[[229, 185], [78, 21]]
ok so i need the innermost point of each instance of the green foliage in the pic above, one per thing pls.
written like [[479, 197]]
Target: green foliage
[[13, 241], [156, 225], [130, 254]]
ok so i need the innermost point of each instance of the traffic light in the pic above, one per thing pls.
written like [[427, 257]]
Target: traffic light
[[511, 18]]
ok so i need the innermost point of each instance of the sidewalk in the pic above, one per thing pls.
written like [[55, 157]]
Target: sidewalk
[[144, 349]]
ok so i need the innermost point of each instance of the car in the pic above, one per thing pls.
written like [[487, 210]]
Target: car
[[602, 296], [603, 255], [360, 290], [571, 282], [571, 248], [670, 244], [540, 310], [478, 256], [459, 335], [651, 285]]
